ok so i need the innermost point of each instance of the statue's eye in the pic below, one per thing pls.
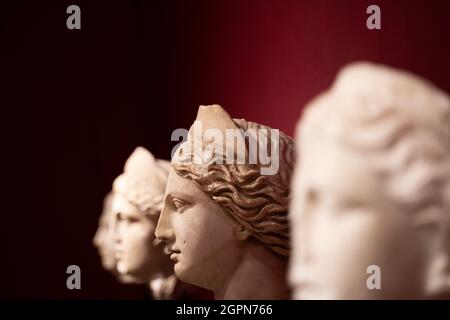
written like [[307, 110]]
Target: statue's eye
[[132, 219], [179, 204], [126, 218]]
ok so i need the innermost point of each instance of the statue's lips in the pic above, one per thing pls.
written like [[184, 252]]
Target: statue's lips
[[102, 251], [174, 256], [118, 255], [170, 250], [306, 286]]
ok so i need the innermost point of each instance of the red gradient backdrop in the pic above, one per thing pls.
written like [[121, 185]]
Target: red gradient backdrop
[[82, 100]]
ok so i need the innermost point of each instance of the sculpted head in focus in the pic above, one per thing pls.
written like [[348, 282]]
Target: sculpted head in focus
[[225, 224], [372, 188], [137, 203]]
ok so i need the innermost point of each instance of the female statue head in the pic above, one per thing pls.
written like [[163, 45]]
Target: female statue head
[[224, 222], [371, 191], [103, 240], [138, 197]]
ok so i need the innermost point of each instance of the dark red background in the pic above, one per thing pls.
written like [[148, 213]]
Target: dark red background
[[83, 100]]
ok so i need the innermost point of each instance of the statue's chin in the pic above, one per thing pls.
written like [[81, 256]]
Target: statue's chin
[[122, 267], [108, 263], [183, 273], [130, 276]]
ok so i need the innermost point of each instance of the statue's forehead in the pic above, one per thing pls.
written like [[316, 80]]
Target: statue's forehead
[[180, 186]]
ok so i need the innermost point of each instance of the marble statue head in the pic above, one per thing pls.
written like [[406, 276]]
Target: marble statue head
[[137, 203], [103, 239], [370, 206], [216, 209]]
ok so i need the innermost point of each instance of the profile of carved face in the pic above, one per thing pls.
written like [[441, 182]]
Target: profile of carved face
[[204, 242], [136, 251], [135, 209], [103, 240], [212, 211], [371, 190]]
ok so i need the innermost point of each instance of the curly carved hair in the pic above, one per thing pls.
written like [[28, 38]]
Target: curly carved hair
[[143, 181], [257, 202]]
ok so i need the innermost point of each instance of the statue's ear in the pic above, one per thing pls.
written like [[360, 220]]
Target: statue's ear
[[242, 233]]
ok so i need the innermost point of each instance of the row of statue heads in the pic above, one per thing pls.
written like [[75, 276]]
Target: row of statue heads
[[365, 185]]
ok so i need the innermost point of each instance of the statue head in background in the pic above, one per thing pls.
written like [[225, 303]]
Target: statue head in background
[[137, 203], [103, 239]]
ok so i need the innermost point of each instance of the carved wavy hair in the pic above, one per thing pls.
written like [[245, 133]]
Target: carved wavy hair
[[141, 192], [257, 202]]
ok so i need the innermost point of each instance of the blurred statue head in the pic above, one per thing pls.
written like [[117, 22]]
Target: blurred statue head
[[137, 203], [371, 191], [103, 239], [216, 210]]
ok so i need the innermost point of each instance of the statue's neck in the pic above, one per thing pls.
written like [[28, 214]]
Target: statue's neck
[[260, 276], [162, 286]]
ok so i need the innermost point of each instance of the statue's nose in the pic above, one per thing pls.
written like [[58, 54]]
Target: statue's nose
[[164, 230]]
